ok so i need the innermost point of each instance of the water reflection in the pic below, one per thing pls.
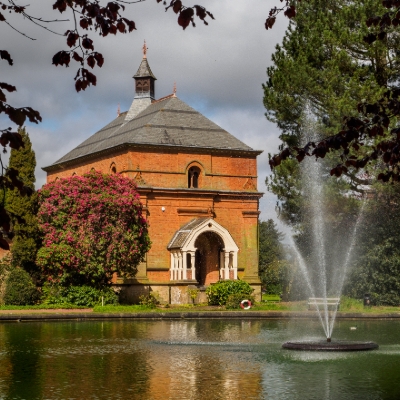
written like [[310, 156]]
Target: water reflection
[[209, 359]]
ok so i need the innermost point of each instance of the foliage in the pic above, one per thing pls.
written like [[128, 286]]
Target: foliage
[[376, 270], [5, 268], [84, 296], [150, 300], [323, 65], [219, 292], [233, 301], [193, 293], [42, 307], [350, 304], [370, 135], [92, 227], [272, 267], [20, 290], [23, 209], [319, 76]]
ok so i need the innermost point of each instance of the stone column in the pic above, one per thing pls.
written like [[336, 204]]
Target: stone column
[[221, 265], [184, 259], [175, 266], [234, 264], [180, 266], [172, 266], [193, 263], [226, 264]]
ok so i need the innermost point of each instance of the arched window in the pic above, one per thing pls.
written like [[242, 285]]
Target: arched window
[[113, 168], [74, 174], [193, 177]]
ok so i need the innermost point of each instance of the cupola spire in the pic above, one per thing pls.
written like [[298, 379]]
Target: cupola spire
[[144, 87]]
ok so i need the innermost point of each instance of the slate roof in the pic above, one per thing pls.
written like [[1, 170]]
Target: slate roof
[[144, 70], [178, 240], [167, 122]]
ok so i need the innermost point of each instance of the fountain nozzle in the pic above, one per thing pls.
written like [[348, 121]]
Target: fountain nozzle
[[328, 339]]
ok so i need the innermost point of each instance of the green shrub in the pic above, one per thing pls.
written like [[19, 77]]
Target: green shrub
[[78, 295], [193, 293], [19, 288], [219, 292], [385, 299], [234, 300], [5, 268], [350, 304], [149, 300]]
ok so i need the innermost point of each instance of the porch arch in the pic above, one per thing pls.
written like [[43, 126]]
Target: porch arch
[[184, 244]]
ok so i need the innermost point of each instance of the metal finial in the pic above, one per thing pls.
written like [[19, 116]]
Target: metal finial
[[145, 48], [174, 91], [118, 111]]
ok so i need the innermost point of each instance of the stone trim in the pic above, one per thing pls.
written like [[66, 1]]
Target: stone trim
[[251, 214], [194, 211]]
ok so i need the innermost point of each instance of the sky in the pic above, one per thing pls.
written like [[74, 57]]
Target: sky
[[219, 70]]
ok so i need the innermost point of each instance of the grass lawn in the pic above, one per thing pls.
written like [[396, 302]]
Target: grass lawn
[[346, 305], [196, 308], [271, 297], [43, 307]]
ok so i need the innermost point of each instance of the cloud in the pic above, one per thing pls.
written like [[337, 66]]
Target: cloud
[[219, 70]]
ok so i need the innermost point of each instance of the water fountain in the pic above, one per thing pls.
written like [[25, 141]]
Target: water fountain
[[329, 271]]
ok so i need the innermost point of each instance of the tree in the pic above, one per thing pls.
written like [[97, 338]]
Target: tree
[[23, 209], [93, 226], [271, 265], [372, 136], [376, 270], [324, 65]]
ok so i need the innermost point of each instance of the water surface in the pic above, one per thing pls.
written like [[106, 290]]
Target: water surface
[[199, 359]]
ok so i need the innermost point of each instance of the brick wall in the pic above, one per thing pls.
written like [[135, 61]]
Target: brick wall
[[163, 186], [168, 169]]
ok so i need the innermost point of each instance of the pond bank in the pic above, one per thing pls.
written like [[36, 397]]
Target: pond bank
[[88, 314]]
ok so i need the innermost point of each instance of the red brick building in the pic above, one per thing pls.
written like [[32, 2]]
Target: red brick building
[[198, 184]]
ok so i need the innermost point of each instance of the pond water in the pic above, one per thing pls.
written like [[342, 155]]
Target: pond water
[[194, 359]]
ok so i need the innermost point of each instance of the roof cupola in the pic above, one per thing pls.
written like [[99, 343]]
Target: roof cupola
[[144, 87]]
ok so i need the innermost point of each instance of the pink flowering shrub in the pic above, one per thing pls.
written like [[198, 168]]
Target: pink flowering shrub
[[92, 226]]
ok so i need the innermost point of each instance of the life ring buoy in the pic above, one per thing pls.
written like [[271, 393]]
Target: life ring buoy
[[245, 304]]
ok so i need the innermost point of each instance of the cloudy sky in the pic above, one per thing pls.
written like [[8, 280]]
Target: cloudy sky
[[218, 70]]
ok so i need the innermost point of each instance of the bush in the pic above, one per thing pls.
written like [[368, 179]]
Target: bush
[[19, 288], [386, 299], [149, 300], [193, 293], [234, 300], [5, 268], [219, 292], [92, 226], [78, 295]]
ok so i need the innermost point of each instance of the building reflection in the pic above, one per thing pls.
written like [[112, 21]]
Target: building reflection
[[131, 359], [204, 360]]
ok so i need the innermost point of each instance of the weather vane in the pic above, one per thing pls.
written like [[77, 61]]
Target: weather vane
[[145, 48], [174, 90]]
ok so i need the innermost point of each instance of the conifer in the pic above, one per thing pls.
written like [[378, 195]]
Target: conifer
[[22, 209]]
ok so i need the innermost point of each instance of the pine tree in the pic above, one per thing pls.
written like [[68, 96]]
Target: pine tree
[[324, 63], [271, 265], [23, 209]]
